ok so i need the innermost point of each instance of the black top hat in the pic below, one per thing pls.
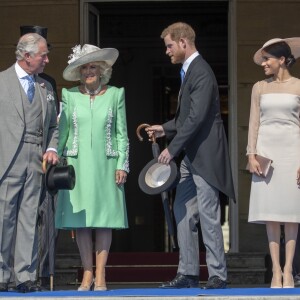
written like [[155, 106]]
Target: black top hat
[[156, 177], [60, 178], [34, 29]]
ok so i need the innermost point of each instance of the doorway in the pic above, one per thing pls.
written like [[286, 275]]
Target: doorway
[[151, 85]]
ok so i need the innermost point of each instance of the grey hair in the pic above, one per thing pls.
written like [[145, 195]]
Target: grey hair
[[105, 71], [28, 43]]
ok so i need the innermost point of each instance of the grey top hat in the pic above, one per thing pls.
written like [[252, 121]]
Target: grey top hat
[[156, 177]]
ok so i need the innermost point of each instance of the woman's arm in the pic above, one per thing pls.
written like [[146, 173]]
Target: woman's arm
[[254, 121]]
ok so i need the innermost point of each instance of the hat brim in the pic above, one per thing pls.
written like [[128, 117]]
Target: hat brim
[[156, 178], [294, 44], [108, 55]]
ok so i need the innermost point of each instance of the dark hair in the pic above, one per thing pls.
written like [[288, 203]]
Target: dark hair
[[281, 49]]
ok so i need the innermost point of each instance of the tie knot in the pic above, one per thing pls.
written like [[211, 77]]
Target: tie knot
[[29, 78]]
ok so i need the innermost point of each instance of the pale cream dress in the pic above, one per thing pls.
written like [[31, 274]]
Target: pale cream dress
[[274, 132]]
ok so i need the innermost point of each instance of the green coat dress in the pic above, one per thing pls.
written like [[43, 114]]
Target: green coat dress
[[93, 138]]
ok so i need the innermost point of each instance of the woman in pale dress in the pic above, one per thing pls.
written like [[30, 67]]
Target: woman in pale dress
[[274, 132], [93, 138]]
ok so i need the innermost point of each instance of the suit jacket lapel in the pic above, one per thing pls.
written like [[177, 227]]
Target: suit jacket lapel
[[180, 91], [12, 83], [186, 77], [190, 69], [42, 90]]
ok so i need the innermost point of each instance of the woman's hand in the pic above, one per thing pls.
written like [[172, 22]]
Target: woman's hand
[[121, 177], [298, 176], [254, 165]]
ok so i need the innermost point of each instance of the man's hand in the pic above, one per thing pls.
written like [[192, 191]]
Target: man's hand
[[51, 158], [165, 157], [157, 130]]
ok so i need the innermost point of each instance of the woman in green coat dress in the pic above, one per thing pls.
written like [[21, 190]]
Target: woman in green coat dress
[[93, 138]]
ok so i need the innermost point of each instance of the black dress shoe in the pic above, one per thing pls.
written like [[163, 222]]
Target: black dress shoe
[[215, 282], [181, 281], [297, 280], [28, 287], [3, 287], [11, 287]]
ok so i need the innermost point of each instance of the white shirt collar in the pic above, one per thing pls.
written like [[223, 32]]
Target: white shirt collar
[[20, 72], [187, 63]]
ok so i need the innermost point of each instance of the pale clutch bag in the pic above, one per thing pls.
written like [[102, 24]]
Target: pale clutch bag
[[265, 164]]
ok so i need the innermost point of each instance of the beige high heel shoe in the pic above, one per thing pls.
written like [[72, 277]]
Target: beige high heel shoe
[[86, 288], [288, 280], [100, 288], [276, 282]]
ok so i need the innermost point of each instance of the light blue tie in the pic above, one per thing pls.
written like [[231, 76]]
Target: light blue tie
[[182, 74], [31, 88]]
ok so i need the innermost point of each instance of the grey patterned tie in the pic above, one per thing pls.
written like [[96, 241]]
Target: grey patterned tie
[[31, 88]]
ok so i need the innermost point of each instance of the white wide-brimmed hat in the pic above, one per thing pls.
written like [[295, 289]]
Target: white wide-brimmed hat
[[293, 42], [87, 54]]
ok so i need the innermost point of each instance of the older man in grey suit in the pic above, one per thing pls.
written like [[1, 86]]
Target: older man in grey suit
[[197, 131], [28, 135]]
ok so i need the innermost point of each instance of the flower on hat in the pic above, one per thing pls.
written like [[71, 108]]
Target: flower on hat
[[77, 52]]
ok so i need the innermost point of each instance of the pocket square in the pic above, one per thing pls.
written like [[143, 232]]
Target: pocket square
[[265, 164]]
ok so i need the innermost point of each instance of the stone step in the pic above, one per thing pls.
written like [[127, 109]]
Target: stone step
[[243, 268], [241, 260], [246, 268], [66, 277]]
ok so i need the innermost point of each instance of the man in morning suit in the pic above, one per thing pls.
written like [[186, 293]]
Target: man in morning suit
[[197, 131], [43, 221], [28, 135]]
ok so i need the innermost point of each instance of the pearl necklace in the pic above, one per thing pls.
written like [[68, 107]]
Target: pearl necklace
[[92, 93]]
